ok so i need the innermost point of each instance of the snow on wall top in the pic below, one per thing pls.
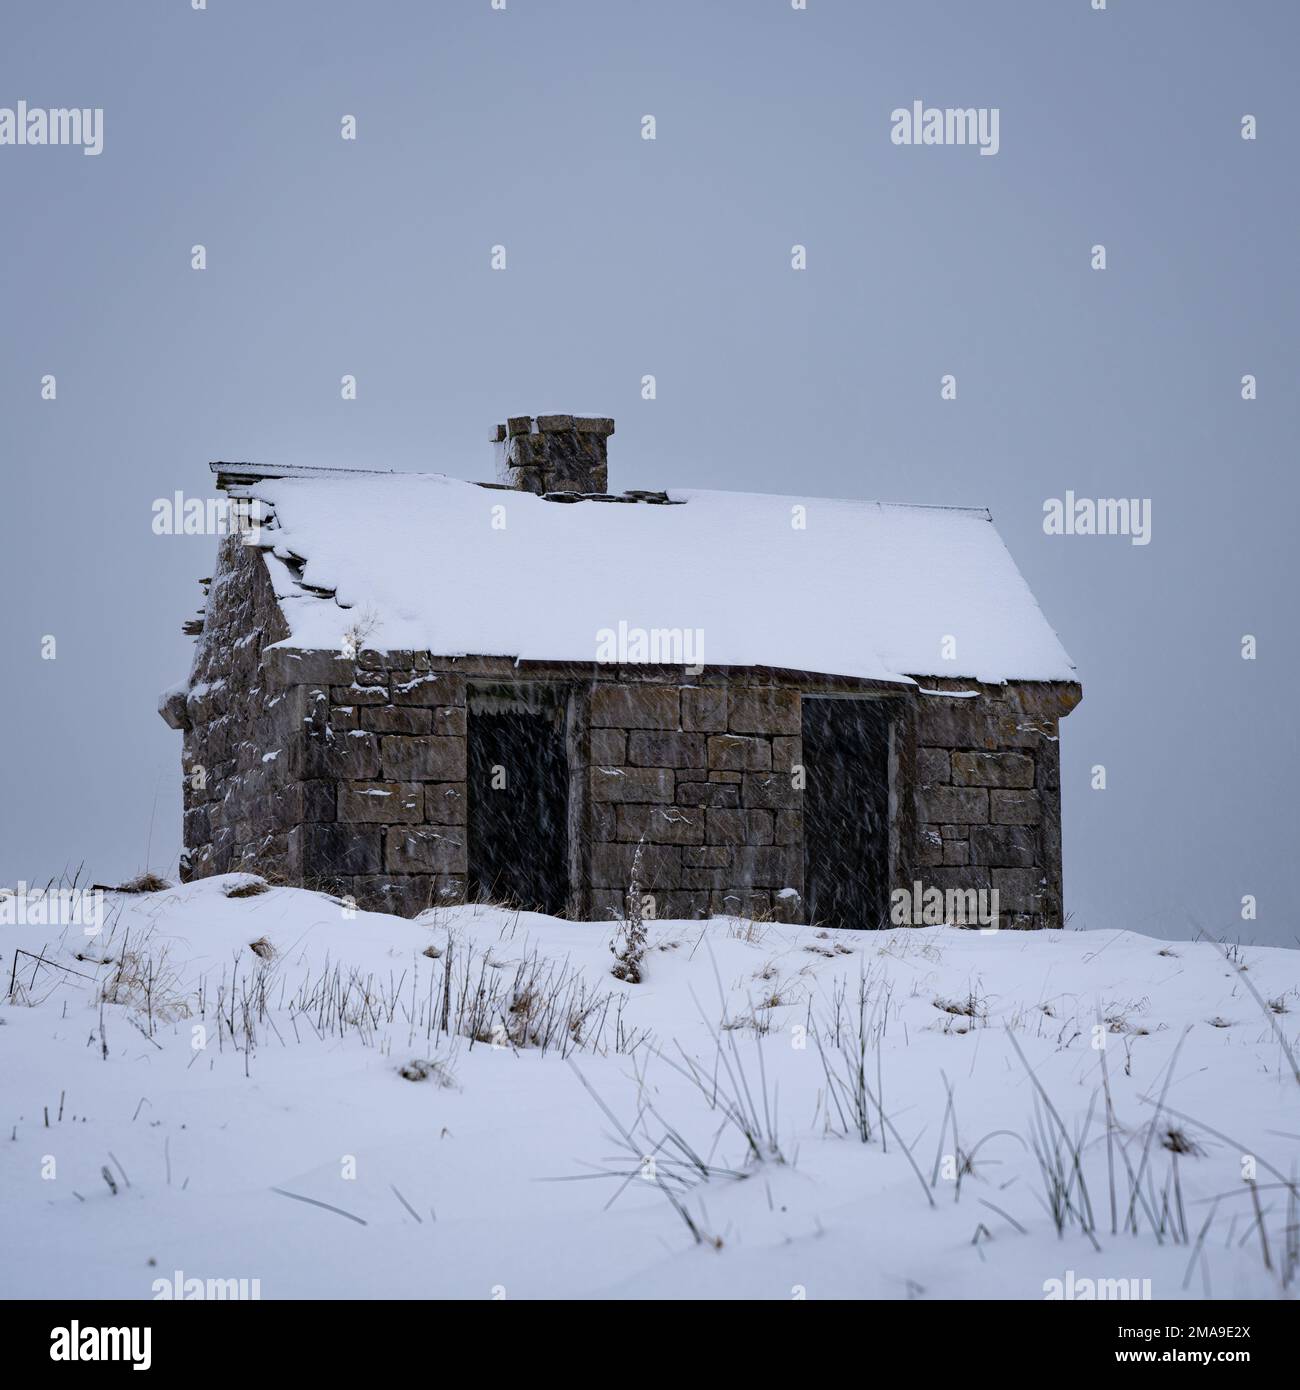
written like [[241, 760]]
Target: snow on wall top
[[865, 589]]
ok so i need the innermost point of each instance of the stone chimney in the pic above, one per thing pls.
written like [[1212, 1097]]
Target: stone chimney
[[553, 453]]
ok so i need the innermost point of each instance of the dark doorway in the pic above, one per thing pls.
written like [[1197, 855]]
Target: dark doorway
[[846, 811], [518, 779]]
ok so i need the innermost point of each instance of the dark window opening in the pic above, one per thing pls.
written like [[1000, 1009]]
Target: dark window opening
[[846, 812], [518, 791]]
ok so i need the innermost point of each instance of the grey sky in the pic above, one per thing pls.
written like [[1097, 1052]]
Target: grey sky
[[626, 257]]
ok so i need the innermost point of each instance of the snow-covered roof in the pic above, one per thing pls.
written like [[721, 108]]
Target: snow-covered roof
[[858, 589]]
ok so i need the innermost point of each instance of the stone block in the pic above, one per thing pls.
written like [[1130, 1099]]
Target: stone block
[[603, 821], [660, 825], [635, 706], [964, 878], [992, 769], [769, 791], [954, 805], [947, 722], [198, 829], [789, 827], [787, 753], [319, 800], [681, 905], [284, 666], [445, 803], [401, 895], [737, 753], [768, 866], [300, 802], [174, 709], [755, 904], [707, 856], [339, 848], [932, 765], [430, 688], [606, 904], [704, 708], [351, 756], [632, 784], [449, 721], [1007, 846], [432, 759], [353, 695], [737, 827], [1047, 777], [763, 710], [1019, 890], [787, 906], [397, 719], [652, 748], [608, 747], [660, 866], [425, 850], [381, 803], [524, 479], [706, 876], [708, 794]]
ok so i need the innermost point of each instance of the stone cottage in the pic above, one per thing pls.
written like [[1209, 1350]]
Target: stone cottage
[[413, 690]]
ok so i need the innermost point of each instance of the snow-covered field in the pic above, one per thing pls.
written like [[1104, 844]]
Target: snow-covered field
[[595, 1128]]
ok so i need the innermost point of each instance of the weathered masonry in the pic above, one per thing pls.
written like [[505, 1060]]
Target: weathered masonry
[[414, 690]]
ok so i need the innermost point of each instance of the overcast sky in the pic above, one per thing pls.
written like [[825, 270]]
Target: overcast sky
[[522, 128]]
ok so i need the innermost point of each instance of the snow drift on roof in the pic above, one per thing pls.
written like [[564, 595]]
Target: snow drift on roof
[[864, 589]]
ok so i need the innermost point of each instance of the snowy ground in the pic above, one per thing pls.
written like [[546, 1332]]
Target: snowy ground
[[219, 1078]]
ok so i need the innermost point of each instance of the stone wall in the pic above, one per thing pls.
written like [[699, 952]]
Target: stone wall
[[349, 775], [988, 794], [242, 802], [702, 774]]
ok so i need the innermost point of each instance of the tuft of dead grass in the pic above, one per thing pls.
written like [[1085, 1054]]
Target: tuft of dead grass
[[250, 888], [143, 883], [970, 1007]]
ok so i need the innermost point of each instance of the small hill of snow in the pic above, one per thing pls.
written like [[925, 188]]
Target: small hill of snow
[[471, 1105]]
